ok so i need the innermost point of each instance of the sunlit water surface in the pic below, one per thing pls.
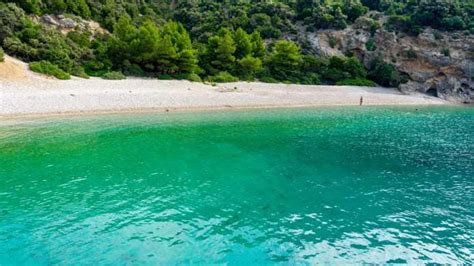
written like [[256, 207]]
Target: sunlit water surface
[[337, 185]]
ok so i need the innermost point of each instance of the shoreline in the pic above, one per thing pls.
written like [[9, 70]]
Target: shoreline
[[27, 94], [184, 110]]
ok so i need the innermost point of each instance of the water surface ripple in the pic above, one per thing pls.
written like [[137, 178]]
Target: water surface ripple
[[334, 185]]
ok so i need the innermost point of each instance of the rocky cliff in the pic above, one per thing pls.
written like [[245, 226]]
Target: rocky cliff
[[437, 63]]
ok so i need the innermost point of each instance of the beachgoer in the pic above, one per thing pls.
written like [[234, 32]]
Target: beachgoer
[[361, 100]]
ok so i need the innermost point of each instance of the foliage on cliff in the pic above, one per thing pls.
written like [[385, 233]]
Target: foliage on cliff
[[213, 39]]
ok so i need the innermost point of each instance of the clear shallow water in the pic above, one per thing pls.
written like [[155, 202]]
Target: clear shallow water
[[336, 185]]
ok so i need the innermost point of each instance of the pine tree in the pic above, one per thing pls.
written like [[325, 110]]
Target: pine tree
[[248, 67], [221, 49], [285, 60], [258, 46], [243, 44], [166, 56], [120, 48], [186, 56], [145, 45]]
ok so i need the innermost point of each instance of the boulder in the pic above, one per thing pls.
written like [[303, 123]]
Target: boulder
[[48, 19], [67, 23]]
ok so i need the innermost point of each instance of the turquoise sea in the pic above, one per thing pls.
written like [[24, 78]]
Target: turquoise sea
[[302, 186]]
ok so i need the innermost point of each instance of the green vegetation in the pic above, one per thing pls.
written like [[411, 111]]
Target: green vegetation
[[223, 77], [332, 41], [48, 68], [356, 82], [113, 75], [214, 40], [384, 73], [284, 61], [2, 55], [190, 76], [446, 52], [411, 54], [439, 14], [370, 45]]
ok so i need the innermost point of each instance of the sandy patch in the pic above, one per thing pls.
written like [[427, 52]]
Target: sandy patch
[[12, 70]]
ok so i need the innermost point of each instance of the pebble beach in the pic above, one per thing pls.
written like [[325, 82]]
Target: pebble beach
[[24, 93]]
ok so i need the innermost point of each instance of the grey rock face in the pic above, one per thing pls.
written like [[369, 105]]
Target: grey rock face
[[59, 21], [49, 20], [67, 23], [437, 63]]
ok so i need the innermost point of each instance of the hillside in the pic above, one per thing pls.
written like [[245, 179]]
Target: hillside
[[424, 46]]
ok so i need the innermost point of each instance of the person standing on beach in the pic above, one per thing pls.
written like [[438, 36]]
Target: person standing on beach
[[361, 100]]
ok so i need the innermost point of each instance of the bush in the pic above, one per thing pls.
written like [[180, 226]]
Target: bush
[[356, 82], [190, 76], [411, 54], [438, 36], [284, 62], [80, 38], [133, 70], [193, 77], [49, 68], [384, 74], [2, 55], [249, 67], [165, 77], [95, 68], [332, 41], [446, 52], [310, 79], [403, 24], [114, 75], [267, 79], [223, 77], [341, 68], [370, 45], [79, 72]]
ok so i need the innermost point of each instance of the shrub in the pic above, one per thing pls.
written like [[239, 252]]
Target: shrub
[[189, 76], [80, 38], [248, 67], [374, 27], [79, 72], [332, 41], [356, 82], [267, 79], [223, 77], [314, 64], [411, 54], [49, 68], [113, 75], [446, 52], [384, 74], [403, 24], [284, 62], [2, 55], [370, 45], [134, 70], [165, 77], [310, 79], [437, 35], [96, 68], [193, 77]]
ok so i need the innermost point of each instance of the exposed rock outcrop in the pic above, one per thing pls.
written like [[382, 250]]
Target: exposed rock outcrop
[[437, 63], [66, 24]]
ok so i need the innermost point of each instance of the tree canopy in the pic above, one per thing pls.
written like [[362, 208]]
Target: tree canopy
[[225, 39]]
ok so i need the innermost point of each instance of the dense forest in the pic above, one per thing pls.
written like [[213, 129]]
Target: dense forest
[[217, 41]]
